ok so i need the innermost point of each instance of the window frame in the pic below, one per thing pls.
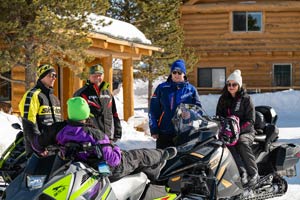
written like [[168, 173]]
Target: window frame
[[247, 31], [211, 78], [290, 75]]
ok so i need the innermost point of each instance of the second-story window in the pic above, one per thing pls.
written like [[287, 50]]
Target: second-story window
[[247, 21]]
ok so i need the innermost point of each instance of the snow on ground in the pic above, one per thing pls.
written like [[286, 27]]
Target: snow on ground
[[285, 103], [7, 132]]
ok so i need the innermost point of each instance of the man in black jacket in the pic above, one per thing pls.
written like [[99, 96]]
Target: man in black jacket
[[101, 102], [39, 107]]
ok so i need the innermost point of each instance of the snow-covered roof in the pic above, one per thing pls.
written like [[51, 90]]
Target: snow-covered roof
[[117, 29]]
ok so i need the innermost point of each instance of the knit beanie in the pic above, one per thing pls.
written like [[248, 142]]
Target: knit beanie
[[178, 65], [78, 109], [236, 76], [44, 69]]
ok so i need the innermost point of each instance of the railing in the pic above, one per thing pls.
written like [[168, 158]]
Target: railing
[[208, 90]]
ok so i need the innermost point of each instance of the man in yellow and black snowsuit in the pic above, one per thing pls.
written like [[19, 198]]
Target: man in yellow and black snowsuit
[[39, 107], [101, 102]]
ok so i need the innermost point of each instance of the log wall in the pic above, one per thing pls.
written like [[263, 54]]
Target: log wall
[[210, 34]]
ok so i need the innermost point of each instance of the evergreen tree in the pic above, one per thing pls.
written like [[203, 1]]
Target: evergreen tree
[[52, 31], [124, 10], [160, 22]]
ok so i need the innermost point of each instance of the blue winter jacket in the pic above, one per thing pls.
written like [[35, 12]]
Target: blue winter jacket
[[163, 104]]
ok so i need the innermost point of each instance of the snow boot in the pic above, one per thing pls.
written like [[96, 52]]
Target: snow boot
[[154, 171], [253, 180], [244, 178], [169, 153]]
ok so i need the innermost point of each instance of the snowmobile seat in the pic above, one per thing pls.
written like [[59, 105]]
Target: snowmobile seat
[[130, 186], [39, 165], [259, 127], [260, 123], [266, 130], [268, 113], [270, 134]]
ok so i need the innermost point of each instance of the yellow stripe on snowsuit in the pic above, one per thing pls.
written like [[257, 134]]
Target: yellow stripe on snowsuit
[[29, 105]]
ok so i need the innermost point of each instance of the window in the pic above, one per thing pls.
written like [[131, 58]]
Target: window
[[211, 77], [282, 74], [5, 88], [247, 21]]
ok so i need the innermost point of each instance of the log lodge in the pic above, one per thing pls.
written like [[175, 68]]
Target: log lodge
[[104, 48], [261, 38]]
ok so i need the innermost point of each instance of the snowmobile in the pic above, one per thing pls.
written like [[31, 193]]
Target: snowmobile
[[13, 159], [61, 177], [204, 168], [53, 177]]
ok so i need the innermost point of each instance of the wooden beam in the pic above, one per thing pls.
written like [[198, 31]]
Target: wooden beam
[[275, 6], [137, 50], [99, 36], [108, 70], [99, 53], [133, 50], [105, 45], [146, 52], [128, 99], [122, 47], [191, 2]]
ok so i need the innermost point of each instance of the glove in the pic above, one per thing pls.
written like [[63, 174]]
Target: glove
[[155, 136]]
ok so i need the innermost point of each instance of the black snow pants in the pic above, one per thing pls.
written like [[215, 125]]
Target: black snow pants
[[243, 155], [137, 160]]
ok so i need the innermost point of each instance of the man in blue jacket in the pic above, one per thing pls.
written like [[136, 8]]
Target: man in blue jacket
[[164, 101]]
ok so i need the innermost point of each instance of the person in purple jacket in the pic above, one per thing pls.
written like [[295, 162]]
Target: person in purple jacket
[[121, 163]]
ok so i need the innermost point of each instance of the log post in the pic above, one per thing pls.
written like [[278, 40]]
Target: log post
[[128, 99], [108, 70]]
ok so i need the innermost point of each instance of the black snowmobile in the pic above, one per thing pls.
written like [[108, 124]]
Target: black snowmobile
[[13, 159], [205, 169]]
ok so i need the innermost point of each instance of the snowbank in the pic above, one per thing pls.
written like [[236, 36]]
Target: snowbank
[[8, 133]]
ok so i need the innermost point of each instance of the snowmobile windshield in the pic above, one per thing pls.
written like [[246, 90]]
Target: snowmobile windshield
[[188, 117]]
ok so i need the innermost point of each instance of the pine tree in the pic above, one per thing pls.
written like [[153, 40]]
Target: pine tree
[[124, 10], [159, 21], [52, 31]]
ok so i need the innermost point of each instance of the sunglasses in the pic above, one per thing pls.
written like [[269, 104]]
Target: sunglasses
[[176, 72], [97, 74], [232, 84], [52, 75]]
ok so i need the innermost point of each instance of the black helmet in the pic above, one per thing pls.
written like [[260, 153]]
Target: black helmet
[[230, 130]]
